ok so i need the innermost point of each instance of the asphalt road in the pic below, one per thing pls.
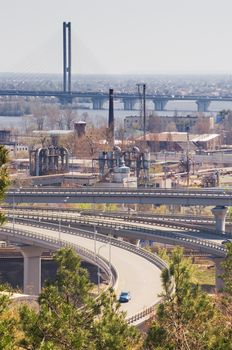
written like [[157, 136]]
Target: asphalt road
[[135, 274]]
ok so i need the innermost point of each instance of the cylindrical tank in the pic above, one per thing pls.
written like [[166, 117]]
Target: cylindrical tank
[[117, 155], [101, 162], [110, 160], [146, 160], [120, 173]]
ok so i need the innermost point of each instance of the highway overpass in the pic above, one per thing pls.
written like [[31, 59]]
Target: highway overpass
[[136, 269], [185, 197], [220, 198]]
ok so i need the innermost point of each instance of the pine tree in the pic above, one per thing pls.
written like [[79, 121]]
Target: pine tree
[[223, 329], [4, 178], [7, 321], [184, 319], [71, 317]]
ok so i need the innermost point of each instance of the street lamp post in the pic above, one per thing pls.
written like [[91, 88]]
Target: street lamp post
[[165, 170], [95, 243], [18, 190], [98, 269], [59, 227]]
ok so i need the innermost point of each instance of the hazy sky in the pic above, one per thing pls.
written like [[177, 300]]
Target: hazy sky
[[120, 36]]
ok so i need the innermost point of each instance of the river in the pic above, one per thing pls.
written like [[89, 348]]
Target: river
[[98, 117]]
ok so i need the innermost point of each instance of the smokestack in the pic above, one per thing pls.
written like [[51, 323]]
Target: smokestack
[[79, 128], [111, 116]]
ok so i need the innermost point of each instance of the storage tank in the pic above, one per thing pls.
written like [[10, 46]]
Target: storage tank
[[120, 173], [101, 162], [110, 160]]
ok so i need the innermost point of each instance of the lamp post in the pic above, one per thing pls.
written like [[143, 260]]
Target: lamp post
[[94, 240], [59, 227], [98, 269], [165, 170], [18, 190], [110, 252]]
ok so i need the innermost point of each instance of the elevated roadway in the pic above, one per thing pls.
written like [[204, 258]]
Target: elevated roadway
[[137, 271], [199, 239], [185, 197]]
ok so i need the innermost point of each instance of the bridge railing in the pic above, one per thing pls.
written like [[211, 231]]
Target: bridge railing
[[58, 242], [102, 191], [155, 259], [171, 235], [160, 221]]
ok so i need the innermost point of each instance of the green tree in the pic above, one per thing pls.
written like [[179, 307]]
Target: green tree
[[223, 331], [4, 179], [184, 319], [71, 317], [8, 325], [7, 321]]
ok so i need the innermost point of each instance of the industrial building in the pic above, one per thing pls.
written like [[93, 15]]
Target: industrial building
[[180, 141]]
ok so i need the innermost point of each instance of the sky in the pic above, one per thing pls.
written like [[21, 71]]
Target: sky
[[118, 37]]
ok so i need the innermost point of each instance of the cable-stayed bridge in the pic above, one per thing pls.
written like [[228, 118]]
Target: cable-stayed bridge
[[66, 94]]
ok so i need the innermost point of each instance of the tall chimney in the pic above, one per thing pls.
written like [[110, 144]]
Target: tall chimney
[[111, 116]]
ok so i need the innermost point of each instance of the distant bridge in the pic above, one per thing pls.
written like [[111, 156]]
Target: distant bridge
[[129, 100], [98, 99]]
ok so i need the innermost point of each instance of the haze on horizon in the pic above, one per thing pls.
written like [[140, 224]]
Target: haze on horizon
[[120, 37]]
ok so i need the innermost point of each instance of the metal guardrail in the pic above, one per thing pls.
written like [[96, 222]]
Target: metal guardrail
[[224, 193], [215, 248], [99, 195], [57, 242], [178, 221]]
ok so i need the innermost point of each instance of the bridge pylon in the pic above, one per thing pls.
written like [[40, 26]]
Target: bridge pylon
[[67, 56]]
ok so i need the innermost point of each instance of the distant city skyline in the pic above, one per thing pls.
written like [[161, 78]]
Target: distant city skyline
[[121, 37]]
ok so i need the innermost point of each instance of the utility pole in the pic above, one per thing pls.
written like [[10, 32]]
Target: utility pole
[[142, 99], [188, 160]]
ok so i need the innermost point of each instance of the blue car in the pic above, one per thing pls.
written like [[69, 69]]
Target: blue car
[[124, 297]]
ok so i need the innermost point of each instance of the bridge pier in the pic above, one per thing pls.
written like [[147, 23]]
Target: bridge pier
[[32, 269], [65, 99], [98, 103], [219, 284], [129, 104], [160, 104], [202, 105], [219, 213]]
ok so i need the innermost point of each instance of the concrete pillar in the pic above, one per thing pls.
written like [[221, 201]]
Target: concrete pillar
[[219, 284], [98, 103], [134, 241], [220, 218], [65, 99], [129, 104], [160, 104], [202, 105], [32, 269]]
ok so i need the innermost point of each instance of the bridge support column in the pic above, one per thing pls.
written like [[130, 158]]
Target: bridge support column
[[160, 104], [65, 99], [129, 104], [134, 241], [98, 103], [219, 284], [202, 106], [220, 218], [32, 269]]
